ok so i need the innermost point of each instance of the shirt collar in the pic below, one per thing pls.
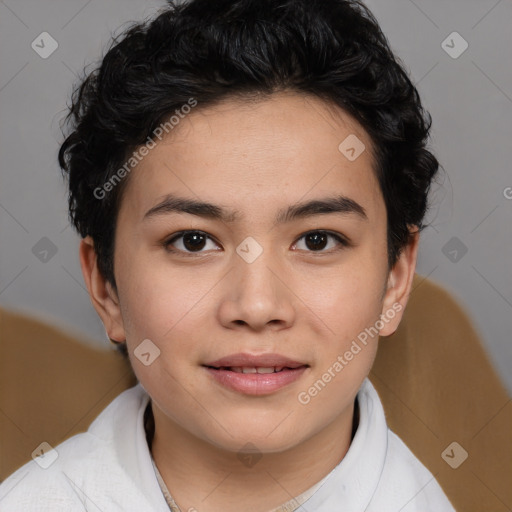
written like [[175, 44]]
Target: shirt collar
[[352, 482]]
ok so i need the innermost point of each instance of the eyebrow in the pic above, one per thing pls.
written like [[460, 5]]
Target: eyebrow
[[339, 204]]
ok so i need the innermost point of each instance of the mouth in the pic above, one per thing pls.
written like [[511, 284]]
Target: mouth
[[255, 375], [255, 369], [247, 360]]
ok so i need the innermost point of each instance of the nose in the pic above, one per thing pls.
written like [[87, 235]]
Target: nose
[[256, 296]]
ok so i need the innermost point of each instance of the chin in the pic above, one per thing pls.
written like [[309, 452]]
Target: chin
[[258, 439]]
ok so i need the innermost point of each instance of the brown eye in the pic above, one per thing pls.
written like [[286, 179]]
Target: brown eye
[[189, 242], [318, 241], [194, 241]]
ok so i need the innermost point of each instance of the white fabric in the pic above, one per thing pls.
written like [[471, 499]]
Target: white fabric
[[109, 469]]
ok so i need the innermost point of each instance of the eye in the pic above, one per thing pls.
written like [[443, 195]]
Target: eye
[[321, 241], [198, 241], [189, 242]]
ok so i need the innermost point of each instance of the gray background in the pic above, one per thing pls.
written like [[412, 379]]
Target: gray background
[[469, 97]]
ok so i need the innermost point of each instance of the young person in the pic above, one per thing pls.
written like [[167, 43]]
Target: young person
[[249, 178]]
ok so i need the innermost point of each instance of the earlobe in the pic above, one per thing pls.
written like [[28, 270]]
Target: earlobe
[[102, 295], [399, 285]]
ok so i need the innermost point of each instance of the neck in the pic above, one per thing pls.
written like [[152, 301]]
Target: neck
[[201, 476]]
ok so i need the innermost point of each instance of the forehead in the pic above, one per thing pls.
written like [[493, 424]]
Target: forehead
[[280, 149]]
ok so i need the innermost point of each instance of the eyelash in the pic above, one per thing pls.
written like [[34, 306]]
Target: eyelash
[[343, 242]]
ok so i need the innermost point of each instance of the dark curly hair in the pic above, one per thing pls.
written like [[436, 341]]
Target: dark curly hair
[[213, 50]]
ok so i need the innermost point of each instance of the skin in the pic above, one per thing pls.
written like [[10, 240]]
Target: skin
[[303, 301]]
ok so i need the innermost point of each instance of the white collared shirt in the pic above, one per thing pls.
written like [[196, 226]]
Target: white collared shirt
[[109, 468]]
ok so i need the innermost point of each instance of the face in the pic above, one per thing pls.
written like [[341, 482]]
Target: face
[[248, 231]]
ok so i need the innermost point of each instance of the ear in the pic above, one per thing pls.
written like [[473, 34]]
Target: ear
[[399, 285], [103, 297]]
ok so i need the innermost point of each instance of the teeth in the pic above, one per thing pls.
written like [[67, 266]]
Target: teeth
[[266, 370], [240, 369]]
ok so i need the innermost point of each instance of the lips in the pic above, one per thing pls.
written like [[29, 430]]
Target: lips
[[262, 361], [255, 374]]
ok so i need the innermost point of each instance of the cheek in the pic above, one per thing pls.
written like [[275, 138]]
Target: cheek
[[347, 298], [167, 316], [157, 296], [349, 308], [153, 306], [349, 303]]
